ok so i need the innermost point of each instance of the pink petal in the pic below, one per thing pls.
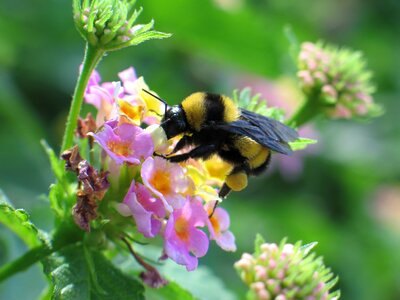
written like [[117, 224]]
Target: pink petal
[[175, 249], [127, 75], [180, 180], [104, 136], [154, 205], [100, 94], [226, 240], [144, 145], [222, 217], [195, 212], [142, 217], [111, 87], [178, 253], [177, 201], [198, 242], [128, 131], [146, 172], [156, 226]]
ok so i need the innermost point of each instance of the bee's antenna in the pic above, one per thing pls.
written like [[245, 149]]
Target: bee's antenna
[[162, 100]]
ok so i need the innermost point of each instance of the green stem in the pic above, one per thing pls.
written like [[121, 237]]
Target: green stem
[[65, 235], [90, 60], [306, 112], [25, 261]]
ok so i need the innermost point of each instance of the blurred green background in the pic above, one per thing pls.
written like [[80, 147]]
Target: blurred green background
[[345, 194]]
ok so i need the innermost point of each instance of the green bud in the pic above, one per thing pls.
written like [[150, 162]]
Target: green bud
[[337, 81], [286, 272], [245, 99], [110, 24]]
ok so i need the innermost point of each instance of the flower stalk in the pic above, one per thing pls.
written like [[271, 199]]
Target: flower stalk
[[307, 111], [91, 59]]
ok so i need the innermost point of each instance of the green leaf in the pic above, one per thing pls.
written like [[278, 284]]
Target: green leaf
[[145, 36], [301, 143], [79, 273], [17, 220], [294, 47], [62, 193], [258, 242], [308, 247], [57, 165], [171, 291]]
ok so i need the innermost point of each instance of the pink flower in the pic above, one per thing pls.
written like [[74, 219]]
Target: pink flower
[[128, 78], [99, 94], [183, 238], [218, 226], [146, 210], [102, 96], [125, 143], [94, 78], [166, 180]]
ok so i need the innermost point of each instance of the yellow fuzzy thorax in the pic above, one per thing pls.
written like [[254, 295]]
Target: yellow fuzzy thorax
[[231, 111], [196, 110]]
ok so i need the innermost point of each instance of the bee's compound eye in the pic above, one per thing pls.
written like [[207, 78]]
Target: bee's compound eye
[[174, 121]]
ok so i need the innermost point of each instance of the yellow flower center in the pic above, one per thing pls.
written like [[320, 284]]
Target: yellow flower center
[[133, 112], [161, 182], [182, 229], [215, 224], [120, 148]]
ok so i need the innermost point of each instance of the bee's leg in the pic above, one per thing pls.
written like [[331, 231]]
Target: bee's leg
[[203, 151], [223, 192], [185, 141]]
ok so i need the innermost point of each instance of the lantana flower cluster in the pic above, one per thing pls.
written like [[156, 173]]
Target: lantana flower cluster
[[159, 198], [286, 272], [337, 79]]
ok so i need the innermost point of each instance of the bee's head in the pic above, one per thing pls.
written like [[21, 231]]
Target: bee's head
[[174, 121]]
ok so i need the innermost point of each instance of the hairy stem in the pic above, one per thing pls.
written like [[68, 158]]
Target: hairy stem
[[138, 258], [90, 61], [151, 277], [65, 235], [25, 261]]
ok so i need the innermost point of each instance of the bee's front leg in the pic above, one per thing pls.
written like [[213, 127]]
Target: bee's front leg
[[203, 151], [185, 141]]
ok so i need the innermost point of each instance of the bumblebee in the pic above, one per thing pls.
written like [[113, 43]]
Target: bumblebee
[[213, 124]]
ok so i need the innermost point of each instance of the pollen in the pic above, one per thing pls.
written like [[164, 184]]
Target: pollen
[[120, 148], [161, 182], [182, 229], [237, 181]]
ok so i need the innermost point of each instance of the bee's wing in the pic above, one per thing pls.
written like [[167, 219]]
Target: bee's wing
[[265, 131], [271, 127]]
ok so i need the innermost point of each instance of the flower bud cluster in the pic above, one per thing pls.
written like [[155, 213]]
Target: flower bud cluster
[[337, 79], [286, 272], [109, 24]]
